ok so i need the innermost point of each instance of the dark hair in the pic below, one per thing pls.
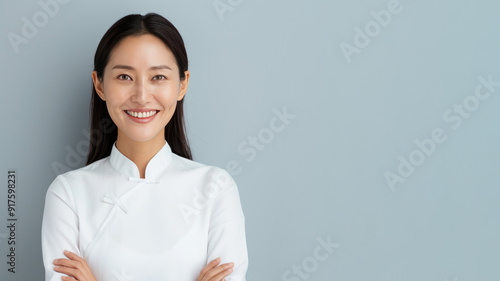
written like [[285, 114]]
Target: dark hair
[[133, 25]]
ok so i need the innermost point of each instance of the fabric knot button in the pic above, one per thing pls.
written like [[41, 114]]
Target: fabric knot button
[[110, 198]]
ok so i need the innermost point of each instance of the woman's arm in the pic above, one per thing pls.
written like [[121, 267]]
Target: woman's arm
[[60, 228], [226, 235]]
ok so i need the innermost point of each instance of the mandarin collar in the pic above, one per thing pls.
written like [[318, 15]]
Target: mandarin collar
[[155, 167]]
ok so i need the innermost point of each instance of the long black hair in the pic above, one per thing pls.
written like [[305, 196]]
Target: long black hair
[[130, 25]]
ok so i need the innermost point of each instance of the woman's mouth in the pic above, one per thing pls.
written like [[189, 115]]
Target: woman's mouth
[[145, 114], [141, 116]]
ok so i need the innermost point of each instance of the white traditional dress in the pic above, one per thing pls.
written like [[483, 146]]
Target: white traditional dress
[[167, 226]]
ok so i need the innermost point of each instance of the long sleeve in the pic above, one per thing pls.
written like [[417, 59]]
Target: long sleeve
[[60, 226], [226, 235]]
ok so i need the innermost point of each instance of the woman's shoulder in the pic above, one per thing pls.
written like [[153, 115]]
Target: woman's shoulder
[[94, 167], [183, 163], [66, 179], [209, 172]]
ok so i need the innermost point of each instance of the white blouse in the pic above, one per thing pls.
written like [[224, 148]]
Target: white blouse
[[167, 226]]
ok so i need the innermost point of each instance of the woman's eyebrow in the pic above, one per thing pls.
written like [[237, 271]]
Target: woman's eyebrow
[[121, 66], [160, 67]]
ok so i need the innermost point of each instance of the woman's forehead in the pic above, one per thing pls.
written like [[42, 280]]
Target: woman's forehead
[[142, 52]]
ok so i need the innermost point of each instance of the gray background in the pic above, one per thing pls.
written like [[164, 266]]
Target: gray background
[[323, 174]]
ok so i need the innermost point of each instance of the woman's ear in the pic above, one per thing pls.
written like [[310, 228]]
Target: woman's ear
[[183, 86], [98, 85]]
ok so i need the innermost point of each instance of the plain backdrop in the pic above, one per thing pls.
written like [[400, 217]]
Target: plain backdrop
[[365, 133]]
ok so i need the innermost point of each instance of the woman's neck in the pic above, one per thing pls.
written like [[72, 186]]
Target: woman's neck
[[140, 152]]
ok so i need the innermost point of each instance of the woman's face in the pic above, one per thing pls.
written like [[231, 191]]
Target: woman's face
[[141, 79]]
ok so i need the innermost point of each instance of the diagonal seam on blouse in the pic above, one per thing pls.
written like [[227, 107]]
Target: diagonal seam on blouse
[[116, 201], [110, 198]]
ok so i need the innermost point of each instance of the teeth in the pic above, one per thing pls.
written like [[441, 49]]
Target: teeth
[[141, 114]]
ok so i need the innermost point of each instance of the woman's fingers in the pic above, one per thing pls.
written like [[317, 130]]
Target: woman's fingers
[[73, 272], [208, 267], [212, 272], [217, 273], [64, 263], [75, 266], [224, 270], [81, 263]]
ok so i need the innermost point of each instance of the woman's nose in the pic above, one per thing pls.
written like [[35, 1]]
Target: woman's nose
[[140, 91]]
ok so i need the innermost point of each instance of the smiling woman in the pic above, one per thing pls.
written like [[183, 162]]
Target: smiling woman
[[141, 77], [124, 215]]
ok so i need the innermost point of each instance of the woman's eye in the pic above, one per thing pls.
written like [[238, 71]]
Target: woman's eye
[[124, 77], [159, 77]]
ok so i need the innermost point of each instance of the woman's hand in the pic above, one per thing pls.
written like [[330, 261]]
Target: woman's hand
[[74, 266], [213, 273]]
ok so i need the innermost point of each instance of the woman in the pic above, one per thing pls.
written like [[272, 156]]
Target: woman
[[142, 209]]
